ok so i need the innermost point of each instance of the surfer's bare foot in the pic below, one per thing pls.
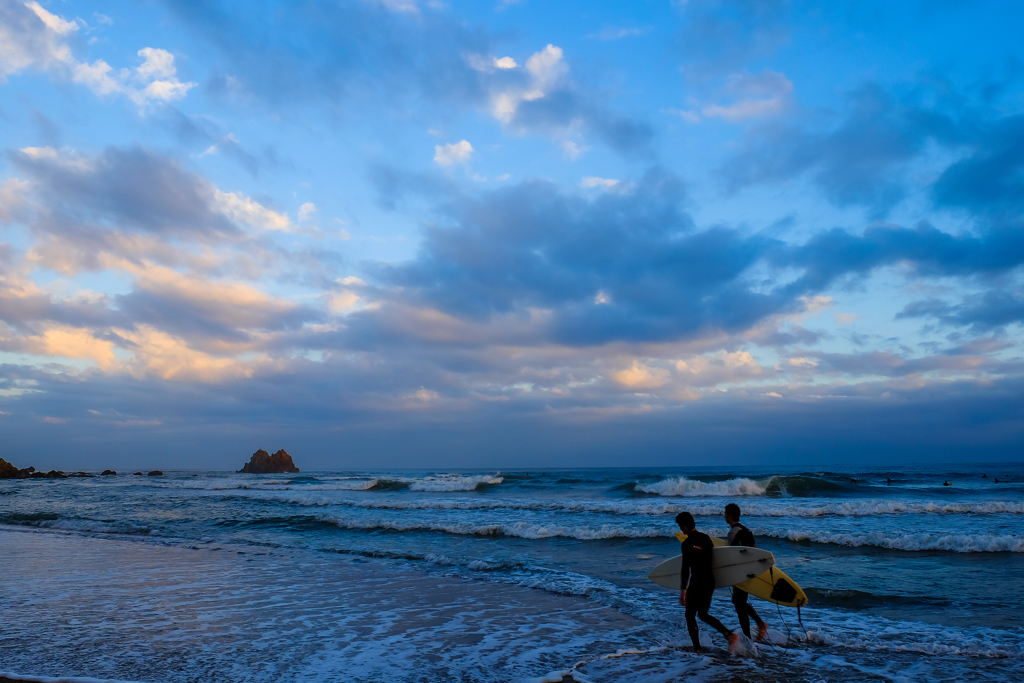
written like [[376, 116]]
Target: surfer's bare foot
[[734, 643], [762, 631]]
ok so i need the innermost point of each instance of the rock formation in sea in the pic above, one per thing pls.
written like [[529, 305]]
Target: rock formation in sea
[[7, 470], [156, 473], [262, 462]]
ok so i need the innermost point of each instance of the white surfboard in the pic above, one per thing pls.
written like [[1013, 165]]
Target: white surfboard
[[731, 564]]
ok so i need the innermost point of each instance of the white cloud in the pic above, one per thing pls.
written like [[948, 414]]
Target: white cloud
[[454, 153], [240, 208], [546, 70], [38, 41], [156, 63], [594, 181], [505, 63], [547, 67], [306, 211]]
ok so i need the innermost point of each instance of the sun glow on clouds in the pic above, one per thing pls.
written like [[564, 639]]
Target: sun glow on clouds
[[594, 254]]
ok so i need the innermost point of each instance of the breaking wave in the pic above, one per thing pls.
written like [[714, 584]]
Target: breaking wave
[[857, 508], [692, 488], [957, 543]]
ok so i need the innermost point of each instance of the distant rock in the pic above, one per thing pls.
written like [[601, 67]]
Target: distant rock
[[52, 474], [262, 462], [8, 471], [156, 473], [107, 473], [137, 474], [81, 475]]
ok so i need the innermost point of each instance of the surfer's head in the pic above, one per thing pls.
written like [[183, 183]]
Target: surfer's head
[[685, 521], [732, 513]]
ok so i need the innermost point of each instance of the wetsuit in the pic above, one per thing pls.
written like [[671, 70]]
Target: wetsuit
[[699, 583], [744, 610]]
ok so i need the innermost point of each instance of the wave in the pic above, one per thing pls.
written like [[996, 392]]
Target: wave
[[859, 508], [48, 520], [525, 530], [957, 543], [693, 488], [442, 483], [797, 485]]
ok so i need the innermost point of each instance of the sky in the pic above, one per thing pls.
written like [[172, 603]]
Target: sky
[[509, 234]]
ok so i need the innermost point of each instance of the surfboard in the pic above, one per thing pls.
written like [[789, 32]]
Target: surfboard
[[773, 585], [730, 564]]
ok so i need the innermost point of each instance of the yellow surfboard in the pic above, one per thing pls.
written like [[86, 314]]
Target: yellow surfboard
[[774, 585]]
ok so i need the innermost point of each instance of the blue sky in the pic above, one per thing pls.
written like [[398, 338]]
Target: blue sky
[[510, 234]]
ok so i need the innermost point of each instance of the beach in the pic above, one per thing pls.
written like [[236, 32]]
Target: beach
[[356, 576]]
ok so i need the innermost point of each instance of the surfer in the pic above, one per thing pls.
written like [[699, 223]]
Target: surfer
[[741, 535], [697, 583]]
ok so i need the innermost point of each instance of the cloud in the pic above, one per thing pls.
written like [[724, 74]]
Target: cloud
[[989, 310], [617, 33], [306, 211], [365, 53], [533, 246], [33, 38], [863, 156], [594, 181], [454, 153], [772, 89], [640, 376], [132, 203]]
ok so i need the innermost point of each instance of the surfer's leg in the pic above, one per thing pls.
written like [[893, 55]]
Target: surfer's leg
[[762, 627], [691, 625], [743, 608], [714, 623]]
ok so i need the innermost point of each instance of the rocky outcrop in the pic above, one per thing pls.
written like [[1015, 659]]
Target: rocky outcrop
[[8, 471], [107, 473], [156, 473], [262, 462]]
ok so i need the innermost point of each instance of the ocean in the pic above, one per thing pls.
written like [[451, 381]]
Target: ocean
[[505, 575]]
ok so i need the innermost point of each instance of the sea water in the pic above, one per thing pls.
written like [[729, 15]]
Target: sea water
[[505, 575]]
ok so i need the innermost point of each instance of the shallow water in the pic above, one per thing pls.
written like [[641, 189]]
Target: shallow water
[[907, 579]]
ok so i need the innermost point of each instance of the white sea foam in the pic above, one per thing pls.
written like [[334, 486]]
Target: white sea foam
[[691, 488], [452, 482], [856, 508], [959, 543]]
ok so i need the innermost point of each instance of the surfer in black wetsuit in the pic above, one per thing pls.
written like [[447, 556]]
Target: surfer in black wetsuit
[[697, 582], [741, 535]]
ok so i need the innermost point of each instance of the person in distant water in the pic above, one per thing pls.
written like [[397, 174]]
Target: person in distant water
[[741, 535], [697, 582], [947, 483]]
